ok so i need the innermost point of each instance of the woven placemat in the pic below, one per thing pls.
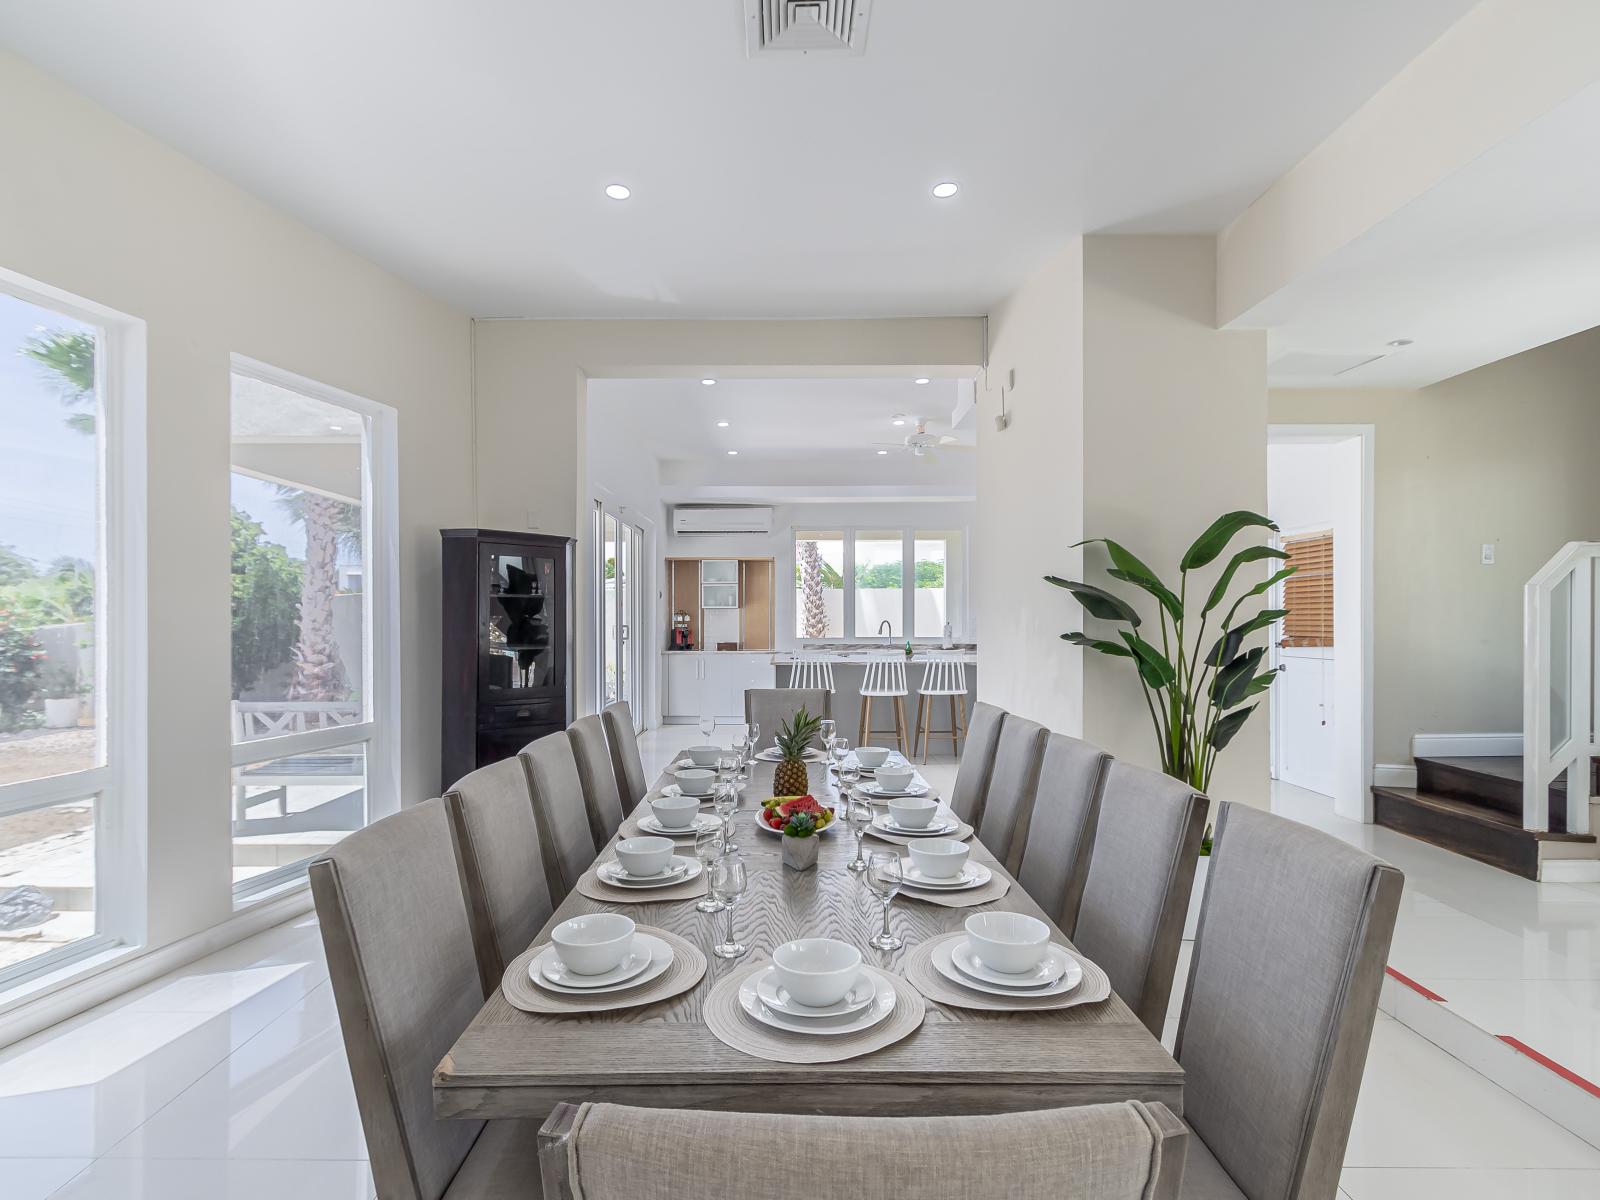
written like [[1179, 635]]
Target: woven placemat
[[724, 1017], [590, 885], [961, 834], [922, 975], [687, 969], [997, 886], [630, 829]]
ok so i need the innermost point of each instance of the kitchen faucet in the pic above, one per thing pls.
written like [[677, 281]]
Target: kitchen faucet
[[886, 628]]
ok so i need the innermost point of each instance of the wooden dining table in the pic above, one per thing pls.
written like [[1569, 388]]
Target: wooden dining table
[[510, 1063]]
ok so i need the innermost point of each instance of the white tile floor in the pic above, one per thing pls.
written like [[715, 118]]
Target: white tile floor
[[226, 1080]]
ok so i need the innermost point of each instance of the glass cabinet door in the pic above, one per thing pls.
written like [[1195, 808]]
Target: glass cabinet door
[[522, 598]]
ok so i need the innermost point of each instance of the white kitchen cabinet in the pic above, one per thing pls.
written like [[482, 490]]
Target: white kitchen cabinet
[[683, 672], [713, 681]]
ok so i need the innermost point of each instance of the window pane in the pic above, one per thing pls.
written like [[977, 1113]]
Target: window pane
[[47, 881], [50, 538], [818, 585], [880, 582], [938, 586], [288, 810], [608, 621]]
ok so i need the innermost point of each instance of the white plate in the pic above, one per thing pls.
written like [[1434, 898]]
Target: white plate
[[660, 960], [973, 875], [826, 830], [876, 790], [772, 754], [880, 1008], [555, 971], [940, 826], [960, 966], [610, 872], [650, 824], [776, 997]]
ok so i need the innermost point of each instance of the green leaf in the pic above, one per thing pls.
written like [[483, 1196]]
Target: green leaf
[[1249, 554], [1227, 646], [1259, 684], [1212, 542], [1098, 602], [1227, 689], [1105, 647], [1156, 671], [1222, 732], [1129, 569]]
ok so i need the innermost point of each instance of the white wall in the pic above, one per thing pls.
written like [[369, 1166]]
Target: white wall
[[95, 207]]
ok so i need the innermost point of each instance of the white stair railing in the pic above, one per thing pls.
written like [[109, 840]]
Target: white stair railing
[[1561, 637]]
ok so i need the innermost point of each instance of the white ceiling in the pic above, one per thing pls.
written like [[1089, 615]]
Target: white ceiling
[[1498, 258], [465, 144]]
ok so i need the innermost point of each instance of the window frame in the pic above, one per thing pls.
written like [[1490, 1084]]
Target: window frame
[[378, 730], [908, 575], [117, 785]]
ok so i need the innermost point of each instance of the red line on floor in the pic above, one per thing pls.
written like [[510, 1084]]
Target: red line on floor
[[1416, 987], [1550, 1064]]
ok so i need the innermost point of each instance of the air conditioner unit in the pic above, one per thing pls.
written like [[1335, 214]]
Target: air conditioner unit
[[725, 518]]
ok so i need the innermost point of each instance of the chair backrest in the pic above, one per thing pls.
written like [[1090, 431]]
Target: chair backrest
[[811, 671], [501, 861], [1124, 1151], [1055, 855], [1008, 807], [394, 925], [771, 707], [560, 810], [626, 763], [977, 762], [600, 794], [886, 675], [1141, 874], [1294, 934], [944, 674]]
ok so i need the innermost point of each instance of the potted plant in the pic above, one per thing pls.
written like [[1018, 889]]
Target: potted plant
[[60, 689], [800, 842]]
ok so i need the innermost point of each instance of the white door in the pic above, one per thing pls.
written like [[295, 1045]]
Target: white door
[[1305, 743]]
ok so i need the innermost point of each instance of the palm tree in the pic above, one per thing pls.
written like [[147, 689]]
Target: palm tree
[[69, 356], [815, 616], [329, 524]]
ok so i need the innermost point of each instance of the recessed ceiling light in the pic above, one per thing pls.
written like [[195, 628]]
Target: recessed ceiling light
[[336, 428], [922, 379], [1399, 342], [722, 424], [618, 191], [882, 452], [708, 383], [898, 421], [944, 191], [732, 453]]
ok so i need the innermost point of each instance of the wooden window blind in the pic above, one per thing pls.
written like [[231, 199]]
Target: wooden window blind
[[1308, 593]]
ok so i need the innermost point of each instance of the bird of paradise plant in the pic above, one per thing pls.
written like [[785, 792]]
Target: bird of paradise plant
[[1194, 699]]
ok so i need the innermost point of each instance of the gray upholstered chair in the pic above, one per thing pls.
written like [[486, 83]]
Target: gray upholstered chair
[[1008, 806], [501, 862], [1055, 854], [977, 762], [1124, 1151], [771, 707], [560, 810], [600, 794], [1277, 1016], [1141, 875], [626, 763], [394, 926]]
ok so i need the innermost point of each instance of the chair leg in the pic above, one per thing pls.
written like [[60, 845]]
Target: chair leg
[[866, 715], [925, 720], [900, 735], [961, 704], [955, 729]]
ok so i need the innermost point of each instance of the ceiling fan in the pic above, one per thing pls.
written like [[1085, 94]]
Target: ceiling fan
[[922, 444]]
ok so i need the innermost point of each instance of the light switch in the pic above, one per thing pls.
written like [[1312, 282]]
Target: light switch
[[1488, 554]]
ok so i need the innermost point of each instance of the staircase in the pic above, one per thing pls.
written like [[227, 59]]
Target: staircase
[[1474, 806]]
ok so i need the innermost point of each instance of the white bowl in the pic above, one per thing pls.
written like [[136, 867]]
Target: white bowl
[[817, 971], [696, 783], [645, 855], [594, 944], [895, 779], [704, 756], [913, 812], [939, 858], [1011, 943], [675, 812], [872, 757]]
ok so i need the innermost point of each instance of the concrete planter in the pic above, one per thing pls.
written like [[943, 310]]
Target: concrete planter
[[800, 853], [61, 714]]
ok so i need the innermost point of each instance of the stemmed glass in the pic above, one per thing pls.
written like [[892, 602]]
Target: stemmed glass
[[839, 750], [858, 815], [883, 879], [725, 802], [708, 846], [827, 731], [752, 734], [728, 882], [708, 725]]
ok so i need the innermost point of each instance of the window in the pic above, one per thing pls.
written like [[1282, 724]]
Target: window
[[1308, 593], [313, 621], [852, 584], [70, 745]]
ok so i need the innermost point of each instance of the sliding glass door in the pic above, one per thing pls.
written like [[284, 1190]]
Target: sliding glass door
[[621, 569]]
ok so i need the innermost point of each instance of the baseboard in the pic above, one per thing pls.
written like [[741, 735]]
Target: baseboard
[[1569, 870], [1466, 745], [125, 970], [1394, 775]]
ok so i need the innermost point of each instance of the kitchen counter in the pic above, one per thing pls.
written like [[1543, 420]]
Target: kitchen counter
[[859, 657]]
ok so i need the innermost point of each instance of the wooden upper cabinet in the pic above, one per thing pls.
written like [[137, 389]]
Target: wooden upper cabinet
[[740, 588]]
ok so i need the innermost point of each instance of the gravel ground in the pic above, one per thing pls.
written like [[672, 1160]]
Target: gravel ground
[[39, 753]]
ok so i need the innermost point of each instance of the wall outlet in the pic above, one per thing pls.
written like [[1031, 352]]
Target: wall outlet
[[1488, 554]]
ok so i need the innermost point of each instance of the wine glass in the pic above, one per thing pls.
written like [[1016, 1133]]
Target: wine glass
[[708, 725], [858, 815], [839, 751], [883, 879], [708, 845], [752, 735], [727, 767], [725, 802], [728, 883], [828, 731]]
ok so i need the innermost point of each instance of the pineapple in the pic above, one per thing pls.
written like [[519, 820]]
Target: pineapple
[[794, 736]]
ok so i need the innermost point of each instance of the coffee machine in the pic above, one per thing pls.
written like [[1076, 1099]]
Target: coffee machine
[[682, 636]]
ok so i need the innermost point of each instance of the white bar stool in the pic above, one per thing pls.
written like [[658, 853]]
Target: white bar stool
[[942, 675], [811, 671], [885, 680]]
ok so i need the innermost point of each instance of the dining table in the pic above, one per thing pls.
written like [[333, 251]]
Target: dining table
[[509, 1063]]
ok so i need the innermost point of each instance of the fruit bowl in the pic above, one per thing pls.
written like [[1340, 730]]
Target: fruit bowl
[[776, 811]]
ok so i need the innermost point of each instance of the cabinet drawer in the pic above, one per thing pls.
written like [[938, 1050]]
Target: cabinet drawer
[[529, 712]]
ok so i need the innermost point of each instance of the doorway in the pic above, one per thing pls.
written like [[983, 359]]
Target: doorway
[[620, 582]]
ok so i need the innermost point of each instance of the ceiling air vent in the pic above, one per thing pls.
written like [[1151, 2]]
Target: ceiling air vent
[[805, 26]]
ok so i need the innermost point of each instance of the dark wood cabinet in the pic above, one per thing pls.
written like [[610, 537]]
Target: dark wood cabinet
[[507, 644]]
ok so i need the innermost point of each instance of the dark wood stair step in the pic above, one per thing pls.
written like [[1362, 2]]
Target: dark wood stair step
[[1486, 833]]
